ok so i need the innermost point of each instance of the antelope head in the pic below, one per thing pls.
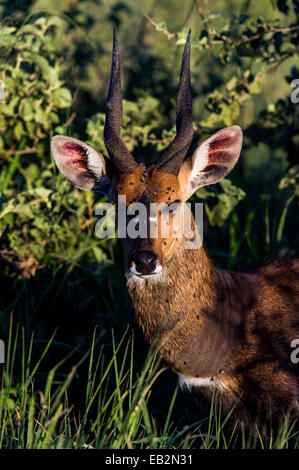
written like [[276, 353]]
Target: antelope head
[[174, 178]]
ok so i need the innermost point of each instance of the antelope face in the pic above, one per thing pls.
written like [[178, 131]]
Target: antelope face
[[155, 196], [161, 188]]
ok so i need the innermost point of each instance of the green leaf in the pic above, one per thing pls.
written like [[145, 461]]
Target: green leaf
[[62, 98], [5, 30], [7, 40], [197, 43], [254, 87], [43, 193], [231, 84], [180, 42], [19, 130], [21, 209], [27, 29], [42, 118], [9, 109], [40, 61], [203, 193], [183, 33], [49, 73], [225, 202], [162, 26], [55, 21], [27, 109]]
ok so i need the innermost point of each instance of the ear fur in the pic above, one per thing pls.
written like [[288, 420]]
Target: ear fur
[[212, 160], [80, 163]]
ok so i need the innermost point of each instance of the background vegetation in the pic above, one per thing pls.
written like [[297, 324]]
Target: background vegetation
[[77, 373]]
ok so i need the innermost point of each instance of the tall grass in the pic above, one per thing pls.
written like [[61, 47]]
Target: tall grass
[[116, 416]]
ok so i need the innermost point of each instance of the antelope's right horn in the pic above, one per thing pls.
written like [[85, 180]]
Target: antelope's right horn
[[122, 159]]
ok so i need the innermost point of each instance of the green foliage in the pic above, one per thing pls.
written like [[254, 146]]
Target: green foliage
[[37, 226], [142, 123], [226, 106], [34, 92], [225, 201]]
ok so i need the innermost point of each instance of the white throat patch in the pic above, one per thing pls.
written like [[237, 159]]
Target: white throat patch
[[212, 382]]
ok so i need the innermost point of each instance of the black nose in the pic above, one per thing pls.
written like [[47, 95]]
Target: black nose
[[146, 261]]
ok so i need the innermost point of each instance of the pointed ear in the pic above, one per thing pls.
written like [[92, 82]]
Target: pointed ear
[[212, 160], [80, 163]]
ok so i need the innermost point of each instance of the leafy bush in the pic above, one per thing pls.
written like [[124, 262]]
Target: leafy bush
[[34, 92]]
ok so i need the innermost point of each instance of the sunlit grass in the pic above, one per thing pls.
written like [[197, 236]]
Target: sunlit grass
[[117, 417]]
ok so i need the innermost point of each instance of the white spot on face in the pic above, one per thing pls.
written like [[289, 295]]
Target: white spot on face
[[171, 246]]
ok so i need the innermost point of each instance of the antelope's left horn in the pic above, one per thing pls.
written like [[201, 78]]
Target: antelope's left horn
[[175, 153]]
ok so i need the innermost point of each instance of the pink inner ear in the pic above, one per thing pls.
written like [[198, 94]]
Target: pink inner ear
[[217, 149], [77, 153]]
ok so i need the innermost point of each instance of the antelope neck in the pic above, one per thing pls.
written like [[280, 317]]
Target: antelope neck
[[192, 312]]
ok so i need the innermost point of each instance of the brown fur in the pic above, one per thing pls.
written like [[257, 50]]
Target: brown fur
[[229, 331], [235, 328], [232, 328], [147, 185]]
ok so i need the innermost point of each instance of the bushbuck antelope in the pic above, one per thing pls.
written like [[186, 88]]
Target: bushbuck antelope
[[227, 333]]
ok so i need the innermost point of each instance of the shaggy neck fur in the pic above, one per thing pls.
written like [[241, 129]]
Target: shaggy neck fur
[[186, 310]]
